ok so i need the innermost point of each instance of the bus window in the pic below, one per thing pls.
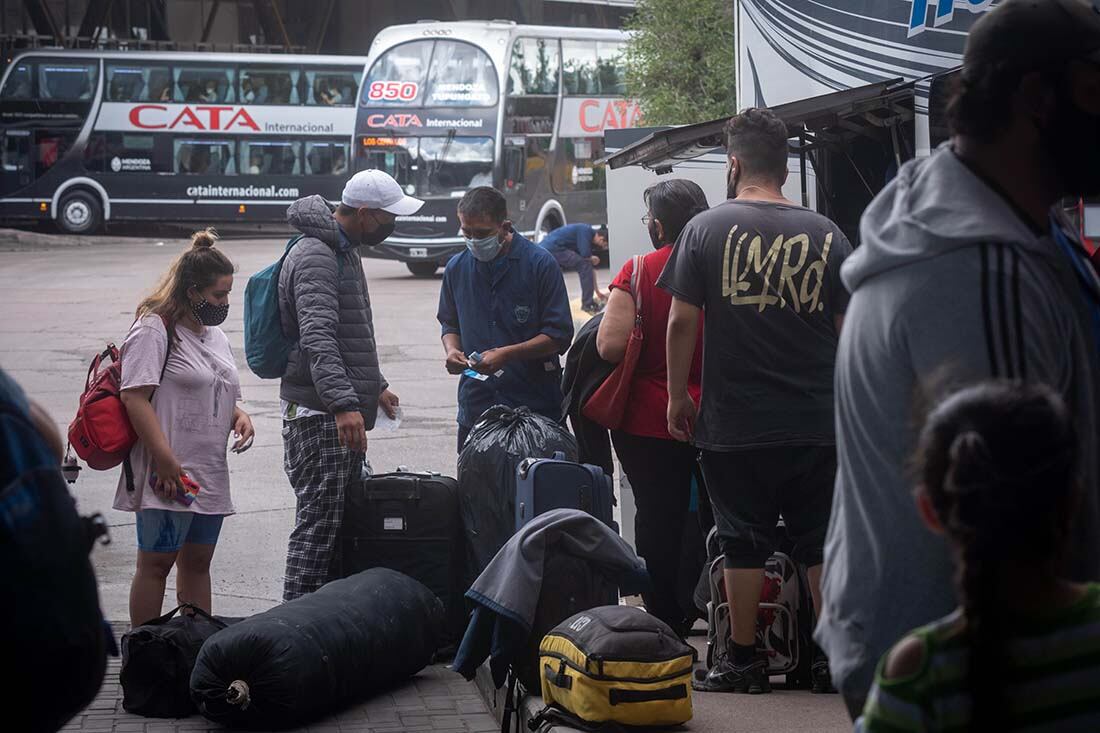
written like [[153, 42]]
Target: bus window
[[326, 159], [609, 59], [50, 146], [271, 158], [269, 86], [138, 83], [19, 84], [530, 115], [578, 171], [208, 84], [126, 152], [397, 78], [454, 164], [204, 157], [16, 153], [66, 80], [461, 75], [535, 67], [394, 155], [332, 88], [580, 72]]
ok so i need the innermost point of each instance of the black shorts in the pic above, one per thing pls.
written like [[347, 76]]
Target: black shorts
[[751, 489]]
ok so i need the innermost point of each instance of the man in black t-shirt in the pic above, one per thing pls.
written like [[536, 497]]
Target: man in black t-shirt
[[765, 272]]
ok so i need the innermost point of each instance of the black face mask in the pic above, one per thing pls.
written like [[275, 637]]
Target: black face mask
[[655, 234], [379, 235], [731, 184], [209, 314], [1072, 141]]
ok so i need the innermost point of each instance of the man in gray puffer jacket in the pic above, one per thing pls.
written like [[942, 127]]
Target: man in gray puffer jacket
[[333, 386]]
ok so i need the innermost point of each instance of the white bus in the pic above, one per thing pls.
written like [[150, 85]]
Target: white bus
[[93, 136], [445, 107]]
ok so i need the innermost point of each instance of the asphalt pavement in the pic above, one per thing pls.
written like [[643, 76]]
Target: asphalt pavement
[[64, 298]]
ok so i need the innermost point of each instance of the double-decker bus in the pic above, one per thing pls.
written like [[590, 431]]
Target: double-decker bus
[[88, 137], [445, 107]]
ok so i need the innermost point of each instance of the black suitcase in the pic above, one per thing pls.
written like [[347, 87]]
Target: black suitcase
[[411, 523]]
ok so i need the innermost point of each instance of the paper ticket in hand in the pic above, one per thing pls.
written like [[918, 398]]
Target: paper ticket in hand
[[475, 358], [384, 423]]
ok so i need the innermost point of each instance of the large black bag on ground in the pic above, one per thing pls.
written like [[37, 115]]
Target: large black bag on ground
[[157, 660], [502, 438], [409, 522], [316, 654]]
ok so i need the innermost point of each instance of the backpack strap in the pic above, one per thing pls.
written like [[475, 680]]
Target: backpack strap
[[636, 289]]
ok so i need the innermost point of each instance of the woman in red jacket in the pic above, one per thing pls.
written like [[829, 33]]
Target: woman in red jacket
[[660, 469]]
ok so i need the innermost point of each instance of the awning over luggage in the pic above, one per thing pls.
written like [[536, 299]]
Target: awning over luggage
[[825, 118]]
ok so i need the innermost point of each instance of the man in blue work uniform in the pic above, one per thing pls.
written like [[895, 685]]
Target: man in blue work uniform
[[572, 247], [503, 299]]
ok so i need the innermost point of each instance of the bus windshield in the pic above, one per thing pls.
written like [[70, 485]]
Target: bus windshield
[[433, 166], [431, 73]]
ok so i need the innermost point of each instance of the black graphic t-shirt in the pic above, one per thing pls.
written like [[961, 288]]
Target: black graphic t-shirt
[[768, 278]]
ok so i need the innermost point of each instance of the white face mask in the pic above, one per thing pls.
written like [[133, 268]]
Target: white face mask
[[485, 249]]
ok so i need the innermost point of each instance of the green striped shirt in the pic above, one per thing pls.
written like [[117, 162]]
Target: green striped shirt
[[1051, 679]]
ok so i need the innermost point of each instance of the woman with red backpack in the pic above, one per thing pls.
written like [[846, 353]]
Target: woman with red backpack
[[180, 388]]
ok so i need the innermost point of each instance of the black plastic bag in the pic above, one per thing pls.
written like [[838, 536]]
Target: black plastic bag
[[316, 654], [157, 660], [502, 438]]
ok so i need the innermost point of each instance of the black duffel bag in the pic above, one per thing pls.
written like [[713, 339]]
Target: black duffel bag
[[157, 659], [316, 654]]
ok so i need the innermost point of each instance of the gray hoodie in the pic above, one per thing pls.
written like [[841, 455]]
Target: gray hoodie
[[950, 284], [324, 305]]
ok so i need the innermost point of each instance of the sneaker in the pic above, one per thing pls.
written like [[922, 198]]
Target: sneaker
[[592, 309], [822, 678], [725, 676]]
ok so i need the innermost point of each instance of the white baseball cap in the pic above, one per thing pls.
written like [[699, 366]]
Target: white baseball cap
[[375, 189]]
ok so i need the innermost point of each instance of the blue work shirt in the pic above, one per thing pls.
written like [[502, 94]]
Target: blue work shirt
[[508, 301], [577, 237]]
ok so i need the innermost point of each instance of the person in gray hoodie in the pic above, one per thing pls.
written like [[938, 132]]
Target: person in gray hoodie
[[965, 273], [333, 386]]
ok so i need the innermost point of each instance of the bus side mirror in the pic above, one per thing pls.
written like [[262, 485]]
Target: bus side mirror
[[515, 166]]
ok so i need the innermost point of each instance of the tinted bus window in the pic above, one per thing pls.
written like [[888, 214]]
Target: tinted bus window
[[20, 82], [204, 157], [332, 88], [536, 63], [262, 157], [209, 84], [137, 153], [454, 164], [138, 83], [609, 59], [461, 75], [269, 86], [326, 158], [66, 81], [396, 156], [397, 78], [530, 115], [413, 75], [16, 153], [580, 72], [581, 174]]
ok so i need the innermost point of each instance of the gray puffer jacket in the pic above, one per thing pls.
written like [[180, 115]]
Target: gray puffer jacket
[[325, 306]]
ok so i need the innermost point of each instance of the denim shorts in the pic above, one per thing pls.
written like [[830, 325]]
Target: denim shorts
[[160, 530]]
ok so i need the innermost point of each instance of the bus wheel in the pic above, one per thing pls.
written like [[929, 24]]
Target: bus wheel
[[549, 224], [423, 269], [79, 213]]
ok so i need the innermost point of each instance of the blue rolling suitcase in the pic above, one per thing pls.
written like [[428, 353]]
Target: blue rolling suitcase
[[543, 484]]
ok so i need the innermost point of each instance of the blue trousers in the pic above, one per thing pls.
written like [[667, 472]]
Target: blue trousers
[[570, 260]]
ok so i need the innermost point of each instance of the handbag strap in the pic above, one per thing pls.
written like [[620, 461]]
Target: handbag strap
[[636, 288], [195, 610]]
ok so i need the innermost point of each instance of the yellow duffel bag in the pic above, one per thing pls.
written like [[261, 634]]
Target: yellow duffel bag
[[618, 664]]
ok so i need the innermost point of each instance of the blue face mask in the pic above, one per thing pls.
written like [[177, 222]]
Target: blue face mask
[[485, 249]]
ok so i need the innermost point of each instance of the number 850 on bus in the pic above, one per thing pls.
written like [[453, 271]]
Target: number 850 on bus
[[390, 90]]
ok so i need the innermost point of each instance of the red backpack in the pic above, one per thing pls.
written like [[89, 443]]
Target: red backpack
[[101, 433]]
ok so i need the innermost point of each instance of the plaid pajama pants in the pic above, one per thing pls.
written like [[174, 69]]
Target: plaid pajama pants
[[320, 470]]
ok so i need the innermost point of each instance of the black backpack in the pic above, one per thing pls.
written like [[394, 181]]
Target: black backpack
[[570, 584], [157, 659]]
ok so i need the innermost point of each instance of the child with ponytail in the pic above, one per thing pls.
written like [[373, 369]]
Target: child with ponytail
[[997, 476], [181, 391]]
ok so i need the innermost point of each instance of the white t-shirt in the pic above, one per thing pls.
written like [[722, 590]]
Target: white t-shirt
[[194, 404]]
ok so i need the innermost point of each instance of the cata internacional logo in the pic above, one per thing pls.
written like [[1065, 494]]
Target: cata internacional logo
[[919, 21]]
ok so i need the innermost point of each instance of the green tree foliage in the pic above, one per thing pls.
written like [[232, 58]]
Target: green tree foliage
[[680, 60]]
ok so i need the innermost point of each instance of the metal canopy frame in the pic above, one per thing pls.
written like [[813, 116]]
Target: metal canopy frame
[[817, 121]]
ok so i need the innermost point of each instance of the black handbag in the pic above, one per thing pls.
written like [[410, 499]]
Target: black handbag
[[157, 659]]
